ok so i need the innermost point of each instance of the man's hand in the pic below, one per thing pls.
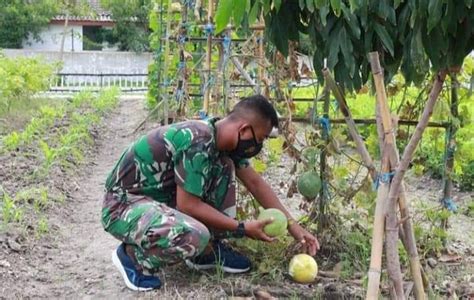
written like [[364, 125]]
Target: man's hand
[[254, 230], [309, 243]]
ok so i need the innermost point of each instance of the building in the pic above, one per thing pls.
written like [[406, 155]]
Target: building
[[81, 32]]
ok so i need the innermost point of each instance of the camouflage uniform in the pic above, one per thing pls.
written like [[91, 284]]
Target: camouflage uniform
[[140, 200]]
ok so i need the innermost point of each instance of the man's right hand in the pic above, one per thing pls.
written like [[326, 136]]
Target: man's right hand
[[254, 230]]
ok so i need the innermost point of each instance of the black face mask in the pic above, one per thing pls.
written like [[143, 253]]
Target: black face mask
[[246, 148]]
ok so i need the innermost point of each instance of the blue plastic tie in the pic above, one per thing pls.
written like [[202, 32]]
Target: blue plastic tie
[[181, 65], [208, 29], [226, 42], [181, 39], [179, 94], [189, 3], [384, 178], [203, 115], [449, 204], [325, 124]]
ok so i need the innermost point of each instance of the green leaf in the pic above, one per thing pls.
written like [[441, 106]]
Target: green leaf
[[396, 3], [302, 4], [266, 6], [434, 13], [320, 3], [468, 3], [238, 11], [254, 12], [354, 4], [336, 7], [352, 21], [384, 37], [310, 5], [224, 10], [323, 13], [277, 4]]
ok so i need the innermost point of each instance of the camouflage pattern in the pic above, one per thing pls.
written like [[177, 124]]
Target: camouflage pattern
[[140, 201], [160, 235], [182, 154]]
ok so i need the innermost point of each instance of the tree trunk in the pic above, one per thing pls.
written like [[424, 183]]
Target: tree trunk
[[63, 38]]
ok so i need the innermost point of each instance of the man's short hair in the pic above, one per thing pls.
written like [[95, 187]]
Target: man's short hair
[[257, 104]]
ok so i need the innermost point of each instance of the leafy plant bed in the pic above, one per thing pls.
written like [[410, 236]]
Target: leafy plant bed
[[38, 161]]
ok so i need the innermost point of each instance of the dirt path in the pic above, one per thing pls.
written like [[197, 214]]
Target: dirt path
[[78, 263]]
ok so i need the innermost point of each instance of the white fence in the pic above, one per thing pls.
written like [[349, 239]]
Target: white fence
[[74, 82]]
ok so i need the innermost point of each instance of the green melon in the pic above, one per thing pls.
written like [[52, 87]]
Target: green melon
[[279, 224], [309, 184]]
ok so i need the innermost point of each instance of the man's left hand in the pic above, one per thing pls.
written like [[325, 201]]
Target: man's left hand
[[309, 242]]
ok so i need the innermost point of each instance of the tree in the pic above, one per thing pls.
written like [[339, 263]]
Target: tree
[[21, 18], [410, 35], [131, 31]]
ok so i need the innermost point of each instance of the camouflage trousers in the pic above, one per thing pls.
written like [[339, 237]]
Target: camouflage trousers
[[159, 234]]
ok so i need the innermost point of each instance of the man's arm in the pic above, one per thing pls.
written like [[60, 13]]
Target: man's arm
[[193, 206], [268, 199]]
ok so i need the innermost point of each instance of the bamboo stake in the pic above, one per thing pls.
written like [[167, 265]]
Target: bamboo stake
[[364, 153], [181, 88], [395, 188], [261, 56], [207, 91], [375, 269], [408, 234], [411, 147], [242, 72], [391, 228], [323, 165], [451, 141], [166, 61]]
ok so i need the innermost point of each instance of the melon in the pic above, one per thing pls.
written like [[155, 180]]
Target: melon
[[279, 224], [303, 268], [309, 184]]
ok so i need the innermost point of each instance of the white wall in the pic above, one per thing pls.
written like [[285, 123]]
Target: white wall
[[92, 62], [51, 39]]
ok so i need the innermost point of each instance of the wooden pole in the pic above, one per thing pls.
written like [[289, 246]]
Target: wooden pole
[[207, 90], [364, 153]]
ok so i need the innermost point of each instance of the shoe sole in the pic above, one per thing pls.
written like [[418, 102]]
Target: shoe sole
[[208, 267], [128, 283]]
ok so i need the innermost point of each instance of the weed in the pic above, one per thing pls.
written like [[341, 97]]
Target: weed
[[49, 155], [42, 227], [11, 141], [10, 212]]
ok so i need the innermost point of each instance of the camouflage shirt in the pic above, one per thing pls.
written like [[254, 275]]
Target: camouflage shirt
[[183, 153]]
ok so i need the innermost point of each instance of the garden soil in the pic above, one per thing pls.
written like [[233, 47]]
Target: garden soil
[[74, 260]]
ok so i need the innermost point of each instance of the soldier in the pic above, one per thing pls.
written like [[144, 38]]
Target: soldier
[[171, 195]]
